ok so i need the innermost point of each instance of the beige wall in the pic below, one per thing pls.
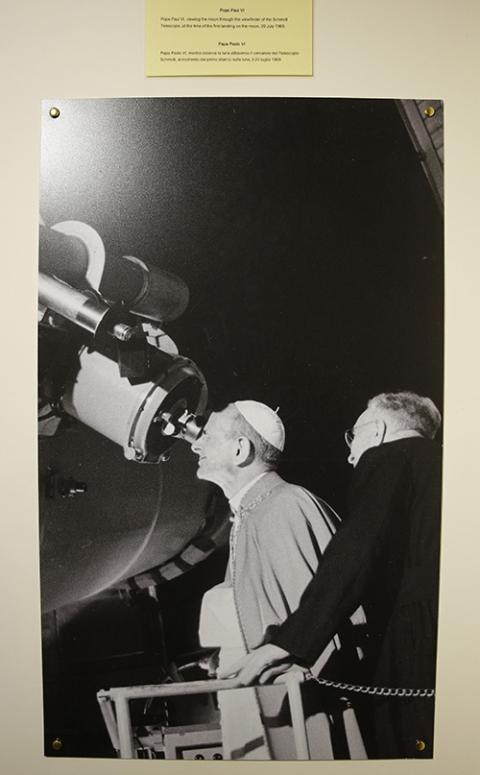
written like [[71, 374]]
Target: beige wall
[[368, 48]]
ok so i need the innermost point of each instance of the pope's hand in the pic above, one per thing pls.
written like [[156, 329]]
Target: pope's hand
[[253, 665]]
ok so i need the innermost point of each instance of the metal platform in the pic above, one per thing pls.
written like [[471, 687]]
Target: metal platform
[[197, 741]]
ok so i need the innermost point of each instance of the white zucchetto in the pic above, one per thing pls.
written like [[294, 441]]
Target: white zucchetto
[[264, 420]]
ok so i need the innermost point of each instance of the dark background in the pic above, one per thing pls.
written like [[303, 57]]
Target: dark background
[[312, 247]]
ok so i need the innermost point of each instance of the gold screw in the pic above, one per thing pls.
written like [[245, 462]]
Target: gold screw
[[57, 744], [420, 745], [54, 112], [430, 111]]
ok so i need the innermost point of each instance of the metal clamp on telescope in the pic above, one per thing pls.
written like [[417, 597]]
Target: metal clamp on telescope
[[86, 309], [141, 396]]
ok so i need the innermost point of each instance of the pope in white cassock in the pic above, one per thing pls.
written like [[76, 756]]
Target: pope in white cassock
[[279, 533]]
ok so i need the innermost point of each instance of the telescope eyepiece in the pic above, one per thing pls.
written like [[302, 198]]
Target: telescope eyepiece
[[186, 426]]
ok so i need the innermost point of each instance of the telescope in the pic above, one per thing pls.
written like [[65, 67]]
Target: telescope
[[112, 366]]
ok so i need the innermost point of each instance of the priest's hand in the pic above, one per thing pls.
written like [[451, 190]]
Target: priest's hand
[[264, 663]]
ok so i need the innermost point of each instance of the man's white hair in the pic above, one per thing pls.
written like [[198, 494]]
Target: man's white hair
[[409, 411]]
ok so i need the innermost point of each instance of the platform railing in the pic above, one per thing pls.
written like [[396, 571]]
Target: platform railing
[[115, 708]]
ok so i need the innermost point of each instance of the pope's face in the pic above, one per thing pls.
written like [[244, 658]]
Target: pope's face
[[215, 448], [367, 433]]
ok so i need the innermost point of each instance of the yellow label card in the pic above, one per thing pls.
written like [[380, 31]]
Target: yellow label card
[[211, 37]]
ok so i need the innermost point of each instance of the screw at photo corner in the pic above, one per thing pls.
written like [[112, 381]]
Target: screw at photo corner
[[57, 744], [54, 112], [429, 111], [420, 745]]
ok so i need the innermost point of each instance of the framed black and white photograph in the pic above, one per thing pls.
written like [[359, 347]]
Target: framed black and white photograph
[[215, 273]]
